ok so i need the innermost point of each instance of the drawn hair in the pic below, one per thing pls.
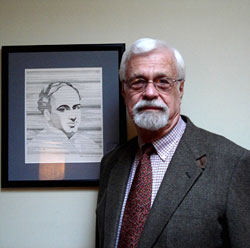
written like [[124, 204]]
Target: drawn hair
[[46, 94]]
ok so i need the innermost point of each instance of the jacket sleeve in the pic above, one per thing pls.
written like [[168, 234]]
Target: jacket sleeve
[[105, 168], [238, 204]]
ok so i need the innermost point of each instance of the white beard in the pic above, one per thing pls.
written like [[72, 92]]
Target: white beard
[[151, 120]]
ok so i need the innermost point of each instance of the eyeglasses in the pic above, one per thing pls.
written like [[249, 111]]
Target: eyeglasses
[[163, 84]]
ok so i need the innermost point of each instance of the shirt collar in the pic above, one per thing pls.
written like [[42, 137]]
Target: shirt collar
[[165, 144]]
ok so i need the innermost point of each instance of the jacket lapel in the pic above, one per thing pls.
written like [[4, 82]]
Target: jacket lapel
[[116, 191], [181, 175]]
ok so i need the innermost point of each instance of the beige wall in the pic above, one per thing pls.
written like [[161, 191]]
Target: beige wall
[[212, 35]]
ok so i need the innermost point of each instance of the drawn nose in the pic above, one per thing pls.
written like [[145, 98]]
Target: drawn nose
[[73, 119]]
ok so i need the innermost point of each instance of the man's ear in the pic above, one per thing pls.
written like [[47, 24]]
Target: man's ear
[[46, 114], [181, 88]]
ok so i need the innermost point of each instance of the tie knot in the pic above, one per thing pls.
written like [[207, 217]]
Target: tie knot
[[148, 149]]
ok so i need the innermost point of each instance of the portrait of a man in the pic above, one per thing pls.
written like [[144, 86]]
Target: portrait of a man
[[61, 140]]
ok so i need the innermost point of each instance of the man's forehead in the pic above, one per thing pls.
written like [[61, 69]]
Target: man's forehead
[[158, 59]]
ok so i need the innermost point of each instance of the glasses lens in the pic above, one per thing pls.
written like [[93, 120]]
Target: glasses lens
[[163, 84], [138, 84]]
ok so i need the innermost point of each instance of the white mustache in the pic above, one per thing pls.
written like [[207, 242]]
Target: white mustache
[[147, 103]]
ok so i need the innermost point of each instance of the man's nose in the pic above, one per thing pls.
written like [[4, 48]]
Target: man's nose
[[150, 91]]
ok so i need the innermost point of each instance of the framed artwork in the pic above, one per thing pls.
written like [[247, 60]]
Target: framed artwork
[[62, 110]]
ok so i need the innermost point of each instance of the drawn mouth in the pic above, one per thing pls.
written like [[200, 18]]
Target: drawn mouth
[[72, 125]]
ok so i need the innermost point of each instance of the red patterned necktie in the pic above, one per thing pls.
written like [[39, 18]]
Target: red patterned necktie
[[138, 203]]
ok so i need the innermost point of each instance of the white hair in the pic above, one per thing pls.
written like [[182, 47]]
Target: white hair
[[151, 120], [146, 45]]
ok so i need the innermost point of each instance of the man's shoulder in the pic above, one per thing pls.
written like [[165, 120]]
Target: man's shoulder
[[84, 139], [128, 148], [196, 136], [124, 152]]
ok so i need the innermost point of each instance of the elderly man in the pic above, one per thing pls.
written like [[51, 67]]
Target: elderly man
[[176, 185], [60, 141]]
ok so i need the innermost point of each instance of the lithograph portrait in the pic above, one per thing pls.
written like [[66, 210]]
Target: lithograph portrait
[[63, 109]]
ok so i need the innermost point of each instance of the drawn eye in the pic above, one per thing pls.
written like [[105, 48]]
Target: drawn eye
[[62, 108], [77, 107]]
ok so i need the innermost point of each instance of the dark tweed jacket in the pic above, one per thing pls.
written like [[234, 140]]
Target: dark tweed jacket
[[203, 201]]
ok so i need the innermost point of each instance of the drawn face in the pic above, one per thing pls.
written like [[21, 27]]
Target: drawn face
[[65, 113]]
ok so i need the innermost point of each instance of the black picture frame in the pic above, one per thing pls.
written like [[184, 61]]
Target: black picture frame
[[17, 63]]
